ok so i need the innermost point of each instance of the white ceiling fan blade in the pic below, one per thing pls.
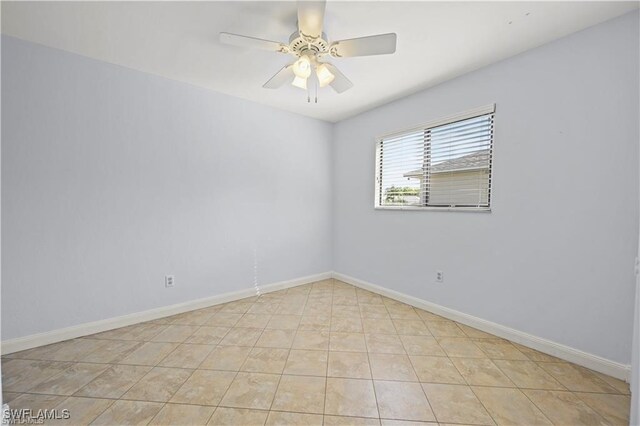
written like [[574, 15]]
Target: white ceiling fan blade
[[281, 77], [340, 83], [256, 43], [381, 44], [311, 17]]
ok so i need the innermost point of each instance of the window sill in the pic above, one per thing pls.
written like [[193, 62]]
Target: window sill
[[437, 209]]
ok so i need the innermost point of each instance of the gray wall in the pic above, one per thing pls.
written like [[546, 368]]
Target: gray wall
[[635, 353], [555, 256], [112, 178], [635, 361]]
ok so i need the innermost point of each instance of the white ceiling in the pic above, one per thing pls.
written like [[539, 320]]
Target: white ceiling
[[179, 40]]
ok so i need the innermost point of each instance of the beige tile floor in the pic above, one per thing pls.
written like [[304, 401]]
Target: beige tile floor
[[324, 353]]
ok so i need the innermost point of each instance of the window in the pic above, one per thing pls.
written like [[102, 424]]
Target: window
[[442, 165]]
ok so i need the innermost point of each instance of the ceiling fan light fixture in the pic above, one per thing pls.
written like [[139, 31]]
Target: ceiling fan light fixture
[[300, 82], [309, 45], [302, 67], [325, 77]]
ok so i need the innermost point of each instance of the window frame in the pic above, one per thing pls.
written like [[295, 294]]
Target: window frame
[[476, 112]]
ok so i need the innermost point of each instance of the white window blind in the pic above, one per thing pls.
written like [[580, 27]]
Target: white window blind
[[445, 164]]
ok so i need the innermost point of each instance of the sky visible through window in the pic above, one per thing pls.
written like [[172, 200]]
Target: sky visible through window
[[452, 147]]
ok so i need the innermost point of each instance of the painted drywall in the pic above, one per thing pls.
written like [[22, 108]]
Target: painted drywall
[[113, 178], [635, 351], [555, 256], [1, 394], [635, 360]]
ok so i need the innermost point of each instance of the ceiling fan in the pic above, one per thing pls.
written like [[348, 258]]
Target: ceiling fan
[[310, 46]]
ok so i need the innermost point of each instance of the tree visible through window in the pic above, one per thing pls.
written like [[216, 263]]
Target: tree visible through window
[[444, 165]]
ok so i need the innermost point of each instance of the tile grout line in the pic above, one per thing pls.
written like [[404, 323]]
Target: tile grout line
[[366, 345], [164, 327], [164, 404], [152, 368], [238, 372], [575, 393], [566, 389], [545, 415], [275, 392], [326, 379], [416, 373]]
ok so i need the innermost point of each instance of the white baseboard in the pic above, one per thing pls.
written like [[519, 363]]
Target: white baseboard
[[593, 362], [53, 336]]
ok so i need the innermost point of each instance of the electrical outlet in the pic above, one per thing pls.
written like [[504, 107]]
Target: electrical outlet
[[169, 281], [439, 276]]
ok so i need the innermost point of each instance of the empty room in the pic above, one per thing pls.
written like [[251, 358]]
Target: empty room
[[320, 213]]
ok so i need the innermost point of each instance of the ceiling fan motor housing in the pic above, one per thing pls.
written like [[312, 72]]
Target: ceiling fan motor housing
[[310, 46], [301, 45]]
